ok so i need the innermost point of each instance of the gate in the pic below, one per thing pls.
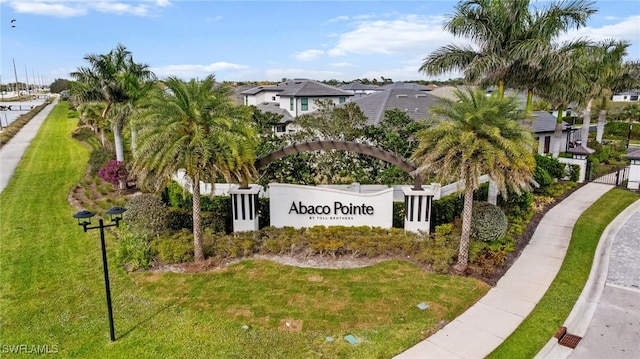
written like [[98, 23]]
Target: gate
[[617, 176]]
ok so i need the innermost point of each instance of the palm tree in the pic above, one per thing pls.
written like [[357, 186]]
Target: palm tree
[[504, 31], [90, 113], [195, 126], [478, 135], [566, 87], [631, 112], [622, 76], [602, 64], [115, 79]]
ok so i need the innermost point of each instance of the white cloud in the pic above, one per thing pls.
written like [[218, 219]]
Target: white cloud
[[625, 29], [339, 18], [278, 74], [408, 35], [42, 8], [195, 71], [343, 64], [308, 55], [120, 8], [70, 8]]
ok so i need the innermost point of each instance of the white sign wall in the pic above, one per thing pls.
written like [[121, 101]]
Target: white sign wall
[[307, 206]]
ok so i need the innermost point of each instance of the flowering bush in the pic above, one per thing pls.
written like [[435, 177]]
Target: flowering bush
[[113, 172]]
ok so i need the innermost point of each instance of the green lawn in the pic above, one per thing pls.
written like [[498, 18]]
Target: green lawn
[[52, 291], [553, 309]]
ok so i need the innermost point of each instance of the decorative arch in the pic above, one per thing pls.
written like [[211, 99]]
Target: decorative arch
[[343, 146]]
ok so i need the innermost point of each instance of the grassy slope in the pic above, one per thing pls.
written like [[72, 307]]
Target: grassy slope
[[555, 306], [52, 291]]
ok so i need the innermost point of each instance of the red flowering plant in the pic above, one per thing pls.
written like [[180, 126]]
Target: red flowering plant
[[114, 172]]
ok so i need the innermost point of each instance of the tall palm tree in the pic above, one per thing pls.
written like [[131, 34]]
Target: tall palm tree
[[602, 62], [503, 32], [195, 126], [478, 135], [622, 76], [566, 88], [115, 79]]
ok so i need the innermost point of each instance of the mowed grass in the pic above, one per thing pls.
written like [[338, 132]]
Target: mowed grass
[[52, 289], [555, 306]]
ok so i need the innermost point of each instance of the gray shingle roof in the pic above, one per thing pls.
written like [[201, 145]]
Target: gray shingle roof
[[415, 103], [633, 155], [405, 86], [581, 150], [310, 88], [545, 122], [355, 86], [274, 108], [300, 88]]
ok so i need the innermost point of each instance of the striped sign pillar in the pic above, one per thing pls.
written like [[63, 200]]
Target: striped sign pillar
[[417, 207], [244, 208]]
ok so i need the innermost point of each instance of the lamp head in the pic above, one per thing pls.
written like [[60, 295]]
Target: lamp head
[[116, 213], [84, 218]]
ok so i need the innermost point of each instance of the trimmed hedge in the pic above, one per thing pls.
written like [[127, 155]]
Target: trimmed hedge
[[488, 222]]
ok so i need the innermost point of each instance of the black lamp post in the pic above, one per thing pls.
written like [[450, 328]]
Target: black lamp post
[[629, 135], [84, 220]]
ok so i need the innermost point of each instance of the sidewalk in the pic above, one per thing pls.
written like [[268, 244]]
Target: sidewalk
[[12, 152], [484, 326], [607, 313]]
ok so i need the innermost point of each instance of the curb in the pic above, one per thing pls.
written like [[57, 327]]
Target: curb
[[583, 311]]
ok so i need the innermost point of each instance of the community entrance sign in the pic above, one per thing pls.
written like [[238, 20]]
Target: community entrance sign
[[307, 206]]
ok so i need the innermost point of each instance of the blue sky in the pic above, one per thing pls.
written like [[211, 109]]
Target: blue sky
[[252, 40]]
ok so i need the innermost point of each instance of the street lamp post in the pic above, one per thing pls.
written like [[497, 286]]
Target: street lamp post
[[84, 220], [629, 135]]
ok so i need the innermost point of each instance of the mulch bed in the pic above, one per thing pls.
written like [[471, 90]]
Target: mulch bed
[[522, 241]]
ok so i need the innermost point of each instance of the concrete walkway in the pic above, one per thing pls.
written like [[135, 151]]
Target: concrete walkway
[[12, 152], [484, 326], [607, 314]]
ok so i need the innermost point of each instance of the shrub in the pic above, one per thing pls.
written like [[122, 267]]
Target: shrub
[[113, 172], [98, 159], [543, 178], [179, 218], [177, 248], [446, 209], [516, 203], [398, 214], [146, 214], [574, 173], [553, 167], [134, 251], [488, 222], [82, 133]]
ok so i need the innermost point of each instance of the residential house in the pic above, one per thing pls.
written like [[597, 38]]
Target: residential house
[[293, 98], [359, 90], [414, 103], [626, 97], [406, 86], [544, 125]]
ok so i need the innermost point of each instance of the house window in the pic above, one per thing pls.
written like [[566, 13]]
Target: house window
[[273, 98], [634, 98], [291, 103], [341, 99], [304, 104], [281, 128]]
